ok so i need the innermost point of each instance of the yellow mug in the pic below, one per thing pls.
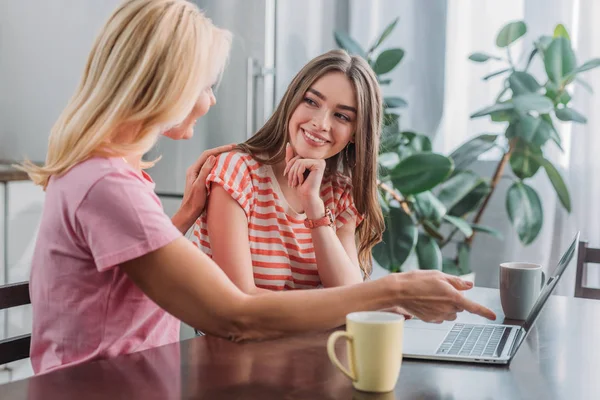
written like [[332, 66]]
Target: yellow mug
[[374, 348]]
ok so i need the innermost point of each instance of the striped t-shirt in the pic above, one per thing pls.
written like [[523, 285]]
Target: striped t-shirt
[[281, 247]]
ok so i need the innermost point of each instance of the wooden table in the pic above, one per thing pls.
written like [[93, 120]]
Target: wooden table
[[560, 360]]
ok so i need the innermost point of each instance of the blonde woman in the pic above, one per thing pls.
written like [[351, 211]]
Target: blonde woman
[[298, 201], [111, 274]]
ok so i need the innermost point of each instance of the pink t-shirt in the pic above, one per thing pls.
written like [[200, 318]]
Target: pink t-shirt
[[98, 215]]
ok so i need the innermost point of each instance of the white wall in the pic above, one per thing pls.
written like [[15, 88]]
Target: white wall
[[43, 47], [304, 30]]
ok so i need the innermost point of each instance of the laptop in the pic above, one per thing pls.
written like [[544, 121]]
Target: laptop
[[485, 343]]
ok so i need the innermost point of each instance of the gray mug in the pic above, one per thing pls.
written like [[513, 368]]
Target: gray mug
[[520, 286]]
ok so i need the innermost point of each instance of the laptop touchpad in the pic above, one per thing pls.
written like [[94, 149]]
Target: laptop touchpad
[[422, 338]]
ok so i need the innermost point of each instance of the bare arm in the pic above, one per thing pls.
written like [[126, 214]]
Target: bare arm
[[228, 229], [189, 285], [336, 254]]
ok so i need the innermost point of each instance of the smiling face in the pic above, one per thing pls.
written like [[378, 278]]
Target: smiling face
[[185, 130], [325, 120]]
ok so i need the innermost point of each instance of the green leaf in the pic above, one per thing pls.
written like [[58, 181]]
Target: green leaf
[[482, 57], [386, 32], [553, 132], [523, 83], [493, 74], [399, 240], [432, 230], [389, 160], [510, 33], [552, 89], [387, 61], [384, 82], [492, 109], [511, 130], [421, 172], [417, 142], [428, 253], [525, 211], [464, 252], [350, 45], [543, 43], [568, 114], [564, 98], [486, 229], [458, 187], [394, 102], [524, 159], [472, 149], [472, 201], [585, 85], [533, 102], [428, 207], [533, 130], [586, 66], [461, 224], [558, 183], [502, 116], [561, 31], [559, 60], [449, 266]]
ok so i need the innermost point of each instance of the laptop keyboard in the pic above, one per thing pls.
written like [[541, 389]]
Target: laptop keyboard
[[475, 340]]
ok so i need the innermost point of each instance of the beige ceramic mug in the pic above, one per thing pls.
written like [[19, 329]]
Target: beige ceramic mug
[[374, 342]]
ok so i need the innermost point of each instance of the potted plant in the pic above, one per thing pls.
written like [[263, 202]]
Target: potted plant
[[432, 201], [419, 192], [527, 108]]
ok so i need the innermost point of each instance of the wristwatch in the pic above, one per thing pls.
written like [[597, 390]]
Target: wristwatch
[[326, 220]]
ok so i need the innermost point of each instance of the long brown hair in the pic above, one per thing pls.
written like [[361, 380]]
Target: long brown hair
[[358, 160]]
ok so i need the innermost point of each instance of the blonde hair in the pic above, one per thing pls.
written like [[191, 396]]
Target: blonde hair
[[358, 160], [146, 69]]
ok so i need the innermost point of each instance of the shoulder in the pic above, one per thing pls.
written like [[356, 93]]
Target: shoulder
[[236, 157], [238, 165], [81, 178], [237, 171]]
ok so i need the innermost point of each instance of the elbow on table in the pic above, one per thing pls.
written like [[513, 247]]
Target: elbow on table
[[242, 323]]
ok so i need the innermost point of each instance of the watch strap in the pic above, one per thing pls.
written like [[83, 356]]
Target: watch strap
[[326, 220]]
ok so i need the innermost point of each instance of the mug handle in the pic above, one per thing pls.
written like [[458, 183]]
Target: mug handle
[[331, 352], [543, 279]]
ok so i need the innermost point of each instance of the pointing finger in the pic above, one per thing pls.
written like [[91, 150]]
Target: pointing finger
[[476, 308]]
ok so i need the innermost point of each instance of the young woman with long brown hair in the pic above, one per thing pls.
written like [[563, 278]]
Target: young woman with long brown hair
[[314, 162]]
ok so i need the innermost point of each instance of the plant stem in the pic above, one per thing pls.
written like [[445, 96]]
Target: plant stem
[[449, 239], [396, 196], [510, 60], [495, 179]]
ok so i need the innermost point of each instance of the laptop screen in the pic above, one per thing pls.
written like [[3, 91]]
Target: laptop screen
[[551, 282]]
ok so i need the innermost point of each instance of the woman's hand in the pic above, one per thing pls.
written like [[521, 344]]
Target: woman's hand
[[194, 195], [433, 296], [306, 175]]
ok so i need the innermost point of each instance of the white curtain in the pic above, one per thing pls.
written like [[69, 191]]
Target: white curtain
[[473, 26], [443, 88], [584, 161]]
